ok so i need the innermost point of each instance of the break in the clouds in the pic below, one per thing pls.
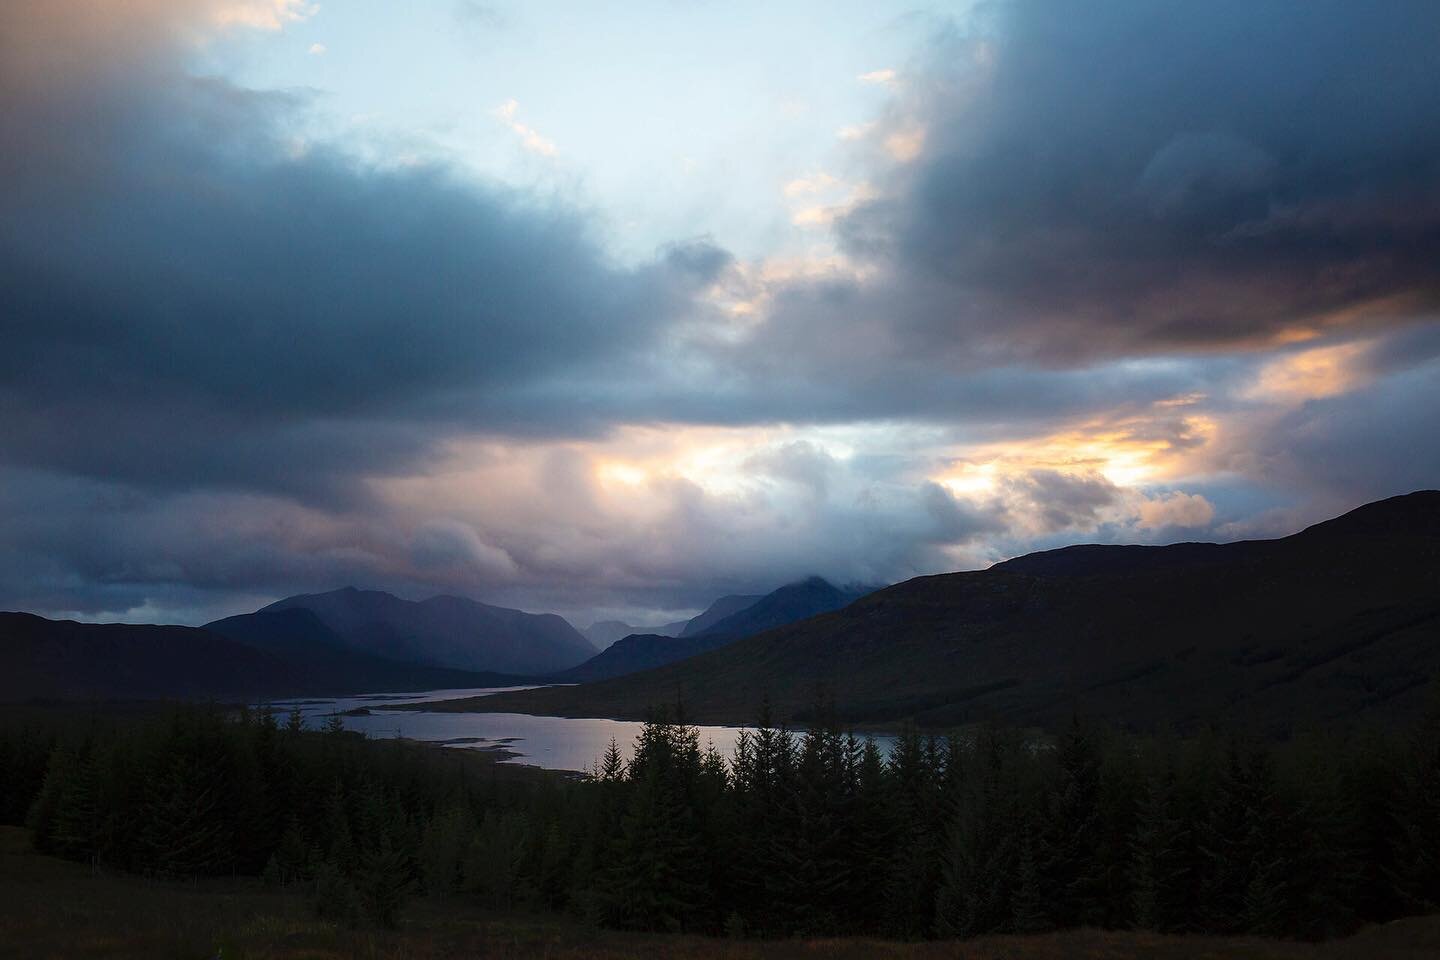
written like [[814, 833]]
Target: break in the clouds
[[1134, 273]]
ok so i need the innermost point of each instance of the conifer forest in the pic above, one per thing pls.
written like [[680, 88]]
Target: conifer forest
[[810, 833]]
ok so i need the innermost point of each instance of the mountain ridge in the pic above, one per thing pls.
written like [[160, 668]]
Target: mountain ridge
[[238, 659], [725, 621], [1338, 621], [446, 631]]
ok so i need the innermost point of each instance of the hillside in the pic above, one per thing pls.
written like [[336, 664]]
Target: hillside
[[637, 652], [727, 620], [1337, 622], [446, 631], [256, 656], [794, 601], [319, 656], [63, 660], [724, 607], [607, 632]]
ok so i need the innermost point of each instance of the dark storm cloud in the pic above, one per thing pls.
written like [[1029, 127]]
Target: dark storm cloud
[[1063, 501], [195, 297], [1140, 176]]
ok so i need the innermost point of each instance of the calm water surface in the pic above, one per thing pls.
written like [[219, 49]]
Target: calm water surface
[[555, 743]]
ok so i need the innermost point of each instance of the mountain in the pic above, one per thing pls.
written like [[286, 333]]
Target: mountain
[[794, 601], [1336, 623], [640, 651], [717, 611], [251, 657], [446, 631], [727, 620], [297, 637], [63, 660], [605, 632]]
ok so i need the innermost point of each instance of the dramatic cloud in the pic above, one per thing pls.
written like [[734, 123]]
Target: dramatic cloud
[[1151, 177], [1147, 272], [195, 298]]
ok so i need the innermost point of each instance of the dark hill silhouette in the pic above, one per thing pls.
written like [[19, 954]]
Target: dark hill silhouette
[[253, 657], [446, 631], [792, 602], [639, 651], [44, 659], [748, 616], [1339, 621], [320, 656], [719, 610]]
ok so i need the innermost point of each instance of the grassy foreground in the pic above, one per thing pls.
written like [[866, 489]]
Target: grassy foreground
[[54, 909]]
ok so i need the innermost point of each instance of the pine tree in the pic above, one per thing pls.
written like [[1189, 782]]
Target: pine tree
[[983, 843], [382, 880], [291, 860], [1027, 904], [1416, 812], [493, 868], [916, 866], [444, 848], [76, 828], [1161, 866], [612, 766], [1234, 839], [183, 834], [1070, 844], [660, 867]]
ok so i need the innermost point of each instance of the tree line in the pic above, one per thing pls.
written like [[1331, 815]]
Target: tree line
[[813, 832]]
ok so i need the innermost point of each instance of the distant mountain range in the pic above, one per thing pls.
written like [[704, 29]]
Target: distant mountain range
[[605, 632], [345, 641], [727, 620], [257, 656], [1338, 622], [446, 631], [719, 610]]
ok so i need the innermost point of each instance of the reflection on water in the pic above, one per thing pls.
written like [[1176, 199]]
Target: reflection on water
[[555, 743]]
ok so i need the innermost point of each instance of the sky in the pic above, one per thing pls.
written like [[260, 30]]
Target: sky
[[609, 312]]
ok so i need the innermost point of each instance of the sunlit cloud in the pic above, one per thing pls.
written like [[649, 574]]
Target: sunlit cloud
[[1177, 510], [530, 138], [905, 144], [263, 14], [820, 199], [815, 183], [885, 77], [1311, 374]]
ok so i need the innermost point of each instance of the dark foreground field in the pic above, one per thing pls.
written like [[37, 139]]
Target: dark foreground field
[[54, 909]]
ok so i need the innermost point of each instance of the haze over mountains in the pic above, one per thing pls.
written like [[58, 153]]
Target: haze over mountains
[[1337, 622], [605, 632]]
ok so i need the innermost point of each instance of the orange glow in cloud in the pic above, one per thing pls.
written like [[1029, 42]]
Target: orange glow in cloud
[[1129, 452], [1311, 374]]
